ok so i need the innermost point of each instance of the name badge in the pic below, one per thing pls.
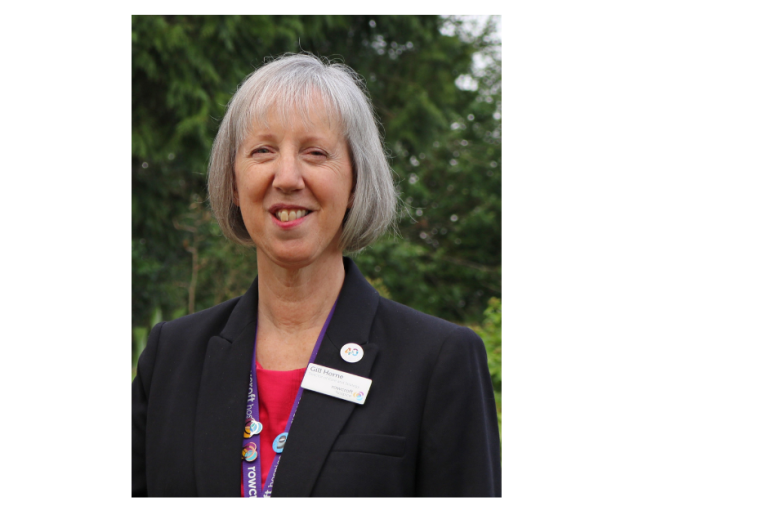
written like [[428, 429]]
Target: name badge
[[336, 383]]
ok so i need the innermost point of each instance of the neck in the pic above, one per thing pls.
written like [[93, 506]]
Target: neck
[[296, 300]]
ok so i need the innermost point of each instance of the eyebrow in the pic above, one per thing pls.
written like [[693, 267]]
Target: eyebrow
[[270, 136], [315, 138], [260, 135]]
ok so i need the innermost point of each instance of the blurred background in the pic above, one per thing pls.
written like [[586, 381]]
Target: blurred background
[[435, 83]]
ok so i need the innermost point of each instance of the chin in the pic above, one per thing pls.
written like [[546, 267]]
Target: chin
[[296, 256]]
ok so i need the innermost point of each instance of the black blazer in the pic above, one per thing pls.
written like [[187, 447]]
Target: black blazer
[[427, 428]]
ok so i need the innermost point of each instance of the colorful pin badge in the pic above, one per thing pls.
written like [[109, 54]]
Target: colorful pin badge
[[249, 452], [351, 352], [279, 442], [252, 428]]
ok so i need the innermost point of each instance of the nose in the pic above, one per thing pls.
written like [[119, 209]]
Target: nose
[[288, 176]]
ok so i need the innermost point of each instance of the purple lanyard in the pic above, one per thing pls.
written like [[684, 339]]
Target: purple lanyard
[[252, 470]]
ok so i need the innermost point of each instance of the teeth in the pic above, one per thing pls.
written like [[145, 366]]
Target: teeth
[[288, 215]]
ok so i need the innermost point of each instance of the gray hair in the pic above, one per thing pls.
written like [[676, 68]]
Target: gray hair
[[289, 83]]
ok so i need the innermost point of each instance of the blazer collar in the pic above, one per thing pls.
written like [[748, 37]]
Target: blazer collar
[[319, 418], [221, 400]]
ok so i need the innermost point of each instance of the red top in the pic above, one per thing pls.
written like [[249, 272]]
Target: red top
[[277, 391]]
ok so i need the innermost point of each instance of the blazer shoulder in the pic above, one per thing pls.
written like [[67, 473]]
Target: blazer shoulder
[[202, 324], [426, 327]]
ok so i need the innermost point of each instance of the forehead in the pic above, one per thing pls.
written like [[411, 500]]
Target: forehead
[[309, 112]]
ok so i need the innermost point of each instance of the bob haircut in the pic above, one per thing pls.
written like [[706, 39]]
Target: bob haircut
[[292, 83]]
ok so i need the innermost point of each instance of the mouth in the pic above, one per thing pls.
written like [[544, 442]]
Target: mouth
[[289, 214]]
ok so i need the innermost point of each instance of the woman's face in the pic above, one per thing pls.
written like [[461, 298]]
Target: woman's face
[[293, 186]]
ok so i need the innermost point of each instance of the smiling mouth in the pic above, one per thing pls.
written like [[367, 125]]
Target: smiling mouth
[[289, 215]]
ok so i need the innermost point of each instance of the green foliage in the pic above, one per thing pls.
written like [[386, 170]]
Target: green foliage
[[490, 331], [186, 67], [447, 259], [140, 335], [444, 142]]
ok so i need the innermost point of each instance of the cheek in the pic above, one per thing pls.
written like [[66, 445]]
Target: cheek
[[247, 192], [343, 200], [238, 189]]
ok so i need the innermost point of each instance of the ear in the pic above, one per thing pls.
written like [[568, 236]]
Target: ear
[[235, 197], [351, 200]]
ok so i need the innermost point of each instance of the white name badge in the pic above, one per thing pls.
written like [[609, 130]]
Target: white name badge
[[333, 382]]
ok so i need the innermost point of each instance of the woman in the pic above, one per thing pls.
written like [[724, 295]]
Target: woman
[[298, 170]]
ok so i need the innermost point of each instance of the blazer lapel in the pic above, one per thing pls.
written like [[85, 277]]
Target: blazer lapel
[[320, 418], [222, 399]]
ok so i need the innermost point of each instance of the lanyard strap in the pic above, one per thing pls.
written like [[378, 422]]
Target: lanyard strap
[[252, 470]]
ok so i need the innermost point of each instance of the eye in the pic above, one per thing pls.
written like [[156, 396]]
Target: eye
[[261, 151]]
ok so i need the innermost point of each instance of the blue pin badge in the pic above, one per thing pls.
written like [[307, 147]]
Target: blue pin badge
[[279, 442]]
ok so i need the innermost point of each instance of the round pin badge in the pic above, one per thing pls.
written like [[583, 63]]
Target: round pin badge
[[249, 452], [351, 352], [279, 442], [252, 428]]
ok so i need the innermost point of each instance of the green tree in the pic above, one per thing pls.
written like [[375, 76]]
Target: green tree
[[440, 114], [450, 183]]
